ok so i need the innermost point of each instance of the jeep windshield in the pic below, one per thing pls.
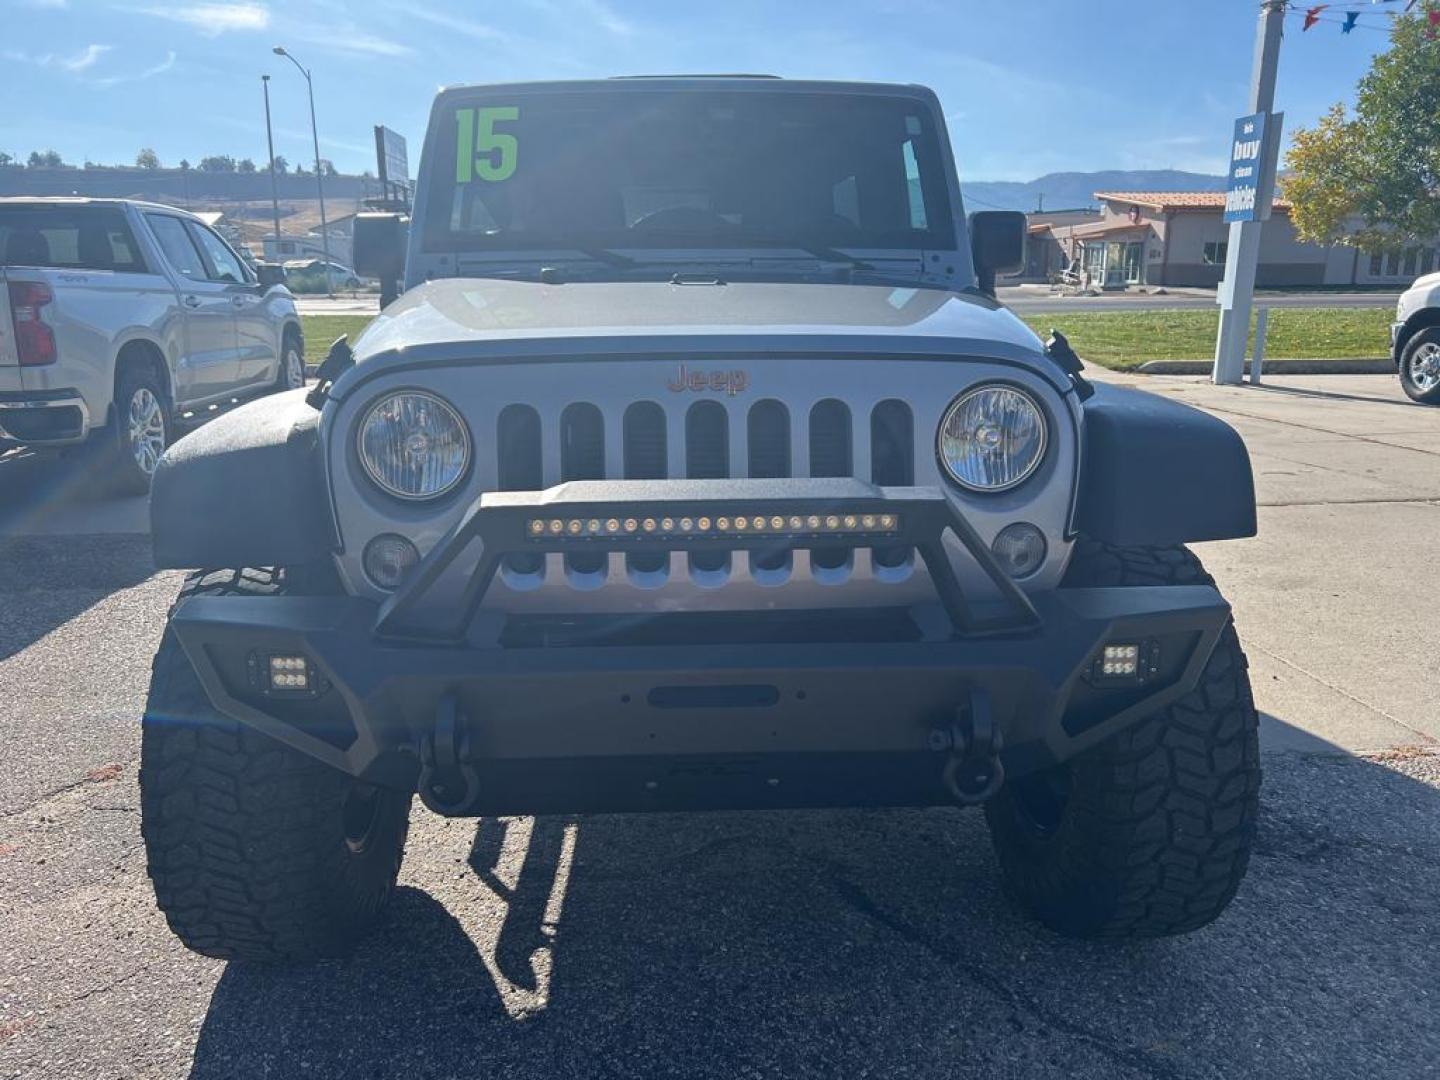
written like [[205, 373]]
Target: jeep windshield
[[821, 174]]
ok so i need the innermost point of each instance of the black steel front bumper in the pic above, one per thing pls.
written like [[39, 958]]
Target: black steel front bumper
[[749, 719]]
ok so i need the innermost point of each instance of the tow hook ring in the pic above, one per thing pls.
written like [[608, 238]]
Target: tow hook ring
[[448, 782], [973, 770]]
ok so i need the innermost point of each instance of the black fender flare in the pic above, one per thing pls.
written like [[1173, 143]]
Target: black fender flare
[[1155, 472], [246, 489]]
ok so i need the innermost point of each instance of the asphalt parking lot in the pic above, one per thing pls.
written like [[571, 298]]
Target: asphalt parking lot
[[755, 945]]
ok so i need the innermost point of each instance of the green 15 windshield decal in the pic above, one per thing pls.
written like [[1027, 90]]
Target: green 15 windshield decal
[[481, 152]]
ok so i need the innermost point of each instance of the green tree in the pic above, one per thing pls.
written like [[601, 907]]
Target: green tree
[[184, 165], [45, 159], [6, 159], [1373, 180], [245, 165], [281, 165], [217, 163], [147, 159]]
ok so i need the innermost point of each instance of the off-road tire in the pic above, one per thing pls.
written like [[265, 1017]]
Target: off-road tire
[[246, 838], [120, 470], [1150, 834], [1423, 346]]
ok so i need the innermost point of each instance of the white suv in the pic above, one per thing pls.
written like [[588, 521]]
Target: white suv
[[1415, 340], [118, 317]]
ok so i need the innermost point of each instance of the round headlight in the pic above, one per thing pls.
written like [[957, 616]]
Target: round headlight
[[414, 445], [992, 438]]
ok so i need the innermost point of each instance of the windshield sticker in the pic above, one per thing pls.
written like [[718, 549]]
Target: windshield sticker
[[481, 152]]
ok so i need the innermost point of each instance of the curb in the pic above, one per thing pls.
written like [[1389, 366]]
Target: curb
[[1353, 366]]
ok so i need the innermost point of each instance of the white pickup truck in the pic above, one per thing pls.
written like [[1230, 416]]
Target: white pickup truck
[[1415, 340], [118, 317]]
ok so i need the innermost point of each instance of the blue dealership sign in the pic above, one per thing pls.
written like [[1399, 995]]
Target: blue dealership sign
[[1247, 162]]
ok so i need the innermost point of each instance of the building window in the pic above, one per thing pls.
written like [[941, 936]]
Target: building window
[[1377, 264], [1215, 252]]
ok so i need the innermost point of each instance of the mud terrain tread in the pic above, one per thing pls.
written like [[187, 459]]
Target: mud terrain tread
[[1157, 836], [241, 832]]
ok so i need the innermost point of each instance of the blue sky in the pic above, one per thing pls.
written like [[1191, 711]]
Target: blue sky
[[1029, 86]]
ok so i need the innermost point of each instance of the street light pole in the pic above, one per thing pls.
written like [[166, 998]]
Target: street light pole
[[270, 142], [279, 50]]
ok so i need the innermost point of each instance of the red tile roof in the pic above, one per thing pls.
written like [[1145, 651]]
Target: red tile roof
[[1176, 200]]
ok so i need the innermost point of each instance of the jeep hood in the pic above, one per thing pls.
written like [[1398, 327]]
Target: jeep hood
[[460, 318]]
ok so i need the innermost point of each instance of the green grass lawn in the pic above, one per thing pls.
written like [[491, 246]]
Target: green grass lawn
[[321, 330], [1113, 339], [1127, 339]]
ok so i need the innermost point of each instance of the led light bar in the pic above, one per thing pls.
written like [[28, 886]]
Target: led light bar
[[859, 523]]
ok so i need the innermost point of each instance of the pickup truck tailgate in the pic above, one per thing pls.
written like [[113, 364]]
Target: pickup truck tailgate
[[8, 356]]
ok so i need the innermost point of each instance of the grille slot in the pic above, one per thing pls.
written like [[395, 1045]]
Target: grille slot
[[707, 457], [892, 461], [830, 439], [645, 451], [520, 467], [707, 441], [830, 455], [768, 439], [582, 457]]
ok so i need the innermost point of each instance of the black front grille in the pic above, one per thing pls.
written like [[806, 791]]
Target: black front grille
[[645, 455]]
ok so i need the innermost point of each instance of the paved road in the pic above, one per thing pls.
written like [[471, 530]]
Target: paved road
[[1031, 300], [800, 944]]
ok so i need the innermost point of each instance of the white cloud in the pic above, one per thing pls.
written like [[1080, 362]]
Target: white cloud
[[214, 19], [139, 76], [349, 40], [467, 27], [82, 60], [85, 58]]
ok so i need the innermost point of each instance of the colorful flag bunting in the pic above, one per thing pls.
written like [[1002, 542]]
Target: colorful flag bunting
[[1351, 18], [1313, 16]]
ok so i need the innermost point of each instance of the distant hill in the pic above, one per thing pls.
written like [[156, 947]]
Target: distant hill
[[1072, 190]]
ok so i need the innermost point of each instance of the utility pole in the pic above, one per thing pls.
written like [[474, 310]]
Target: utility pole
[[1237, 291], [270, 142]]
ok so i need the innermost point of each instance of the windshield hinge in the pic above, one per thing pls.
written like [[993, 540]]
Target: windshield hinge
[[337, 361], [1058, 349]]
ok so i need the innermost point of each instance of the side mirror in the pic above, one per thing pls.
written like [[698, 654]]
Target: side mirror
[[270, 274], [379, 245], [997, 245]]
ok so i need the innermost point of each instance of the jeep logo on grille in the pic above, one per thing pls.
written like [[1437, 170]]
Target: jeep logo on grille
[[729, 382]]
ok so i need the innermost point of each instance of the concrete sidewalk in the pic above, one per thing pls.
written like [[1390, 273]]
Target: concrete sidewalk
[[1335, 599]]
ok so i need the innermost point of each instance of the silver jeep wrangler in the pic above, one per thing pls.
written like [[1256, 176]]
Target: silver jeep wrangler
[[695, 467]]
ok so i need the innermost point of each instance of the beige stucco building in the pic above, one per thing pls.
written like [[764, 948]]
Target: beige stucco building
[[1180, 238]]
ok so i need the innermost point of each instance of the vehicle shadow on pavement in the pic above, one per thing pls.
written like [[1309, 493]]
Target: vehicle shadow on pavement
[[855, 943], [45, 581]]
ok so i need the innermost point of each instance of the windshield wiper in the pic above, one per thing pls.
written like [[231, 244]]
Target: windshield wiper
[[832, 255]]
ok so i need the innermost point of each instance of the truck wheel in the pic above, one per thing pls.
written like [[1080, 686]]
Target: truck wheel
[[140, 433], [292, 363], [1149, 833], [1420, 367], [256, 851]]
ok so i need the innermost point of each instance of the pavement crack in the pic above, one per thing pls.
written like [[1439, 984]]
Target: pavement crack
[[1425, 739], [1118, 1052], [65, 789]]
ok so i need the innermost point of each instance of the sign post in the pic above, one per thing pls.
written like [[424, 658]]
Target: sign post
[[1254, 153]]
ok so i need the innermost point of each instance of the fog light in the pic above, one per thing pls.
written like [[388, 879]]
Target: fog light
[[1120, 660], [289, 673], [1020, 549], [388, 559]]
